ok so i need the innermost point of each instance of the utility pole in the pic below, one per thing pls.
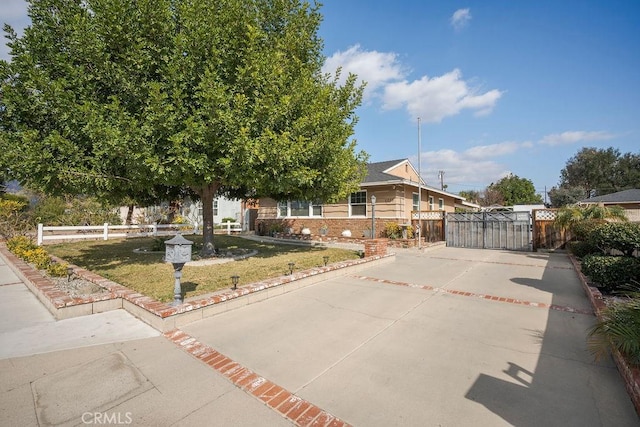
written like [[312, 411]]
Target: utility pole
[[441, 178], [419, 187]]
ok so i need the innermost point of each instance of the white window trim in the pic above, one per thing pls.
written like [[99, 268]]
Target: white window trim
[[288, 215], [431, 203], [440, 203], [366, 206], [415, 206]]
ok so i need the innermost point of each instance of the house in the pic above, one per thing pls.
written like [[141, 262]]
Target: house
[[394, 185], [629, 200], [191, 211], [223, 208]]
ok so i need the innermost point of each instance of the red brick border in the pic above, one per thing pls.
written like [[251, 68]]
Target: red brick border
[[46, 290], [629, 374], [299, 411], [481, 296]]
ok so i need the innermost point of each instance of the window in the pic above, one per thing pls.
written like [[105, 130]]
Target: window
[[416, 202], [283, 209], [441, 204], [298, 208], [431, 203], [215, 207], [358, 203]]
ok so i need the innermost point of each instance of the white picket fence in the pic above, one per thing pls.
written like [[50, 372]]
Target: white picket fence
[[106, 231]]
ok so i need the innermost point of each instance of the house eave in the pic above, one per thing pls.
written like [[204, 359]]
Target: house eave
[[411, 184]]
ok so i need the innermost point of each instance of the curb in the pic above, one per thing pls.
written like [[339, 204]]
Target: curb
[[629, 374], [163, 316]]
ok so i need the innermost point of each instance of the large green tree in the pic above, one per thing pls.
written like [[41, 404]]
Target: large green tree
[[601, 171], [147, 98], [515, 191]]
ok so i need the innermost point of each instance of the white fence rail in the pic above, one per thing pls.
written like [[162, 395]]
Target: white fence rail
[[106, 231]]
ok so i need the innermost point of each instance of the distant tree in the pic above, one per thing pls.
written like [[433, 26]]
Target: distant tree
[[514, 190], [149, 98], [471, 195], [564, 196], [601, 171]]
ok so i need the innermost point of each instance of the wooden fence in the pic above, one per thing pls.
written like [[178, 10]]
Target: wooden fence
[[546, 235]]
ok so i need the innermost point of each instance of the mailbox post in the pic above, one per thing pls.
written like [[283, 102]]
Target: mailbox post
[[178, 253]]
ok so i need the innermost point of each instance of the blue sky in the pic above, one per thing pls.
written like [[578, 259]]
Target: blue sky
[[500, 86]]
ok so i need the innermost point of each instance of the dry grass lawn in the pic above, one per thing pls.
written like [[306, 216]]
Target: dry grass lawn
[[148, 274]]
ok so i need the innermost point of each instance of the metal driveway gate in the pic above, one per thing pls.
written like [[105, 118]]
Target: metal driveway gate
[[489, 230]]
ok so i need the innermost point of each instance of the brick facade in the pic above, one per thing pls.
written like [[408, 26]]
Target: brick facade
[[359, 227]]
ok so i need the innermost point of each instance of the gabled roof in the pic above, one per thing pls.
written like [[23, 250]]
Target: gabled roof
[[376, 172], [626, 196]]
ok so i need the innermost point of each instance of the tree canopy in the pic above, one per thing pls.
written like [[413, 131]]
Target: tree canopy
[[601, 171], [514, 190], [564, 196], [144, 99]]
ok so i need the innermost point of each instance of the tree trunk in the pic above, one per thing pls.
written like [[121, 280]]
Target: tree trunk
[[129, 214], [207, 193]]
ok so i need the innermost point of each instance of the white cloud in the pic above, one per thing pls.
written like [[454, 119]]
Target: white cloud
[[460, 18], [462, 169], [572, 137], [373, 67], [493, 150], [433, 99]]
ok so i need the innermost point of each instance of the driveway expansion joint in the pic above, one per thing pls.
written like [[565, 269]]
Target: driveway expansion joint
[[554, 307]]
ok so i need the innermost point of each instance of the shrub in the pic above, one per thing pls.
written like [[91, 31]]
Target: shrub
[[392, 230], [24, 248], [158, 245], [12, 215], [57, 270], [611, 273], [38, 257], [582, 229], [179, 219], [19, 244], [621, 236], [619, 327], [74, 211], [582, 249]]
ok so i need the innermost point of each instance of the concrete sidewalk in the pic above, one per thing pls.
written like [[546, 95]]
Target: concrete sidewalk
[[107, 368], [447, 337]]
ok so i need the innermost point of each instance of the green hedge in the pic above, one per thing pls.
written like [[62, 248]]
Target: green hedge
[[582, 229], [621, 236], [611, 273], [582, 249]]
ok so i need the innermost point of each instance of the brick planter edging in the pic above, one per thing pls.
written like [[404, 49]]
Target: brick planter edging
[[164, 316], [630, 375]]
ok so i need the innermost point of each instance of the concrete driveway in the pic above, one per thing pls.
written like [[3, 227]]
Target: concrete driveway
[[449, 337]]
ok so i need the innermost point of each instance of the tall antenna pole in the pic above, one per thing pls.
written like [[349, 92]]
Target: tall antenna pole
[[419, 186]]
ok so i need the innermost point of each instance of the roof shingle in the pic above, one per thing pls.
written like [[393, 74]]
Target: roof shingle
[[626, 196]]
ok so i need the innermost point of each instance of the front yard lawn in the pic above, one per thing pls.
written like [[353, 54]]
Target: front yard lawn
[[148, 274]]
